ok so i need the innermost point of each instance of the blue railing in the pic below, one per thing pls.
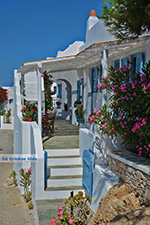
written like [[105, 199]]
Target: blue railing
[[45, 170]]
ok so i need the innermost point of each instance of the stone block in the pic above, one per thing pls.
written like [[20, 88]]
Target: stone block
[[131, 170], [147, 193], [139, 174]]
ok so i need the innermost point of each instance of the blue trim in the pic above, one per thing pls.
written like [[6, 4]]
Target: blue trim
[[82, 89], [137, 62], [59, 91], [117, 64], [124, 61], [95, 78], [45, 170], [71, 115], [78, 89]]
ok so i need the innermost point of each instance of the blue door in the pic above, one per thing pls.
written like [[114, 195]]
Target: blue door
[[88, 165]]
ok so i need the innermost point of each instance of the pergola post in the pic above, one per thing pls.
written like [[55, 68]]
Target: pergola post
[[39, 95], [105, 71]]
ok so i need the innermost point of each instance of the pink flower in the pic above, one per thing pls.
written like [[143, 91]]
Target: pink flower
[[115, 94], [70, 221], [125, 133], [103, 76], [120, 116], [103, 85], [149, 145], [53, 221], [99, 85], [105, 125], [60, 217]]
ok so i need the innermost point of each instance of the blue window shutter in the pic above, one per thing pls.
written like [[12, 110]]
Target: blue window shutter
[[95, 78], [137, 62], [117, 64], [59, 90], [124, 61], [78, 89], [82, 89]]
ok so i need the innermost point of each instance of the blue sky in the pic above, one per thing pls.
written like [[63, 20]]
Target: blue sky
[[36, 29]]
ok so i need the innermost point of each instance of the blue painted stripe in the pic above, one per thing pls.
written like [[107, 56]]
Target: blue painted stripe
[[45, 169]]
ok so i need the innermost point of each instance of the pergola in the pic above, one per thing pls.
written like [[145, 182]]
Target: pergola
[[97, 52]]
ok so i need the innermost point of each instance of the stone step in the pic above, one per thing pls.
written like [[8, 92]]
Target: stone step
[[64, 161], [64, 181], [65, 188], [62, 152], [69, 170]]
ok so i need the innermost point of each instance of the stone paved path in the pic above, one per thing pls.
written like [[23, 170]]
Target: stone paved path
[[66, 136], [13, 209]]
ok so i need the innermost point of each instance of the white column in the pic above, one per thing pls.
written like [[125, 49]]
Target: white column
[[39, 93], [105, 71]]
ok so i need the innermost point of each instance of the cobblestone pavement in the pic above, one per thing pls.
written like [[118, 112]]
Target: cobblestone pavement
[[13, 209]]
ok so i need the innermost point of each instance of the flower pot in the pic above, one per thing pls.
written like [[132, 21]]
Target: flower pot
[[80, 121]]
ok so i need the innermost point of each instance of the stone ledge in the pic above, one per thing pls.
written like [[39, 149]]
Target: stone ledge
[[132, 160]]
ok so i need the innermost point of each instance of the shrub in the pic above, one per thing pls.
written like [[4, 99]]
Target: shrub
[[13, 175], [3, 95], [77, 102], [29, 112], [78, 207], [128, 113], [47, 89], [25, 182], [30, 205], [79, 111]]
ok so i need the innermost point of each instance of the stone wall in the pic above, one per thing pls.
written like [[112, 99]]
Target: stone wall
[[135, 173]]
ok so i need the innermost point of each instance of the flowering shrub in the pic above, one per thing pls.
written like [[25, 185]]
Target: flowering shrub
[[3, 95], [25, 182], [128, 113], [29, 112], [47, 89], [58, 103], [79, 111], [80, 211]]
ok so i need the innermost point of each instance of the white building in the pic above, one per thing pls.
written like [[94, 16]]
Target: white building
[[78, 69], [77, 72]]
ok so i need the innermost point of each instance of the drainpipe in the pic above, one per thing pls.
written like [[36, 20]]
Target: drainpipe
[[39, 93]]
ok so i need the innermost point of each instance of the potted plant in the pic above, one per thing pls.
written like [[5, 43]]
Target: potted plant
[[79, 114], [58, 104], [29, 113], [77, 102]]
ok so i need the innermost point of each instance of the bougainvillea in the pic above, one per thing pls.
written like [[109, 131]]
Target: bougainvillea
[[47, 89], [128, 113], [3, 95], [29, 112]]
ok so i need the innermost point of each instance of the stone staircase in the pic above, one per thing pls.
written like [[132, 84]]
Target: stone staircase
[[64, 171]]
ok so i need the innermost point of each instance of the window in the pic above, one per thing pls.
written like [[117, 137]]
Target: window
[[59, 91], [78, 89], [94, 79], [55, 89], [124, 61], [117, 64], [137, 62]]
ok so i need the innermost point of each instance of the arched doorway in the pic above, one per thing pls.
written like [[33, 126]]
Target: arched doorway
[[63, 91]]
